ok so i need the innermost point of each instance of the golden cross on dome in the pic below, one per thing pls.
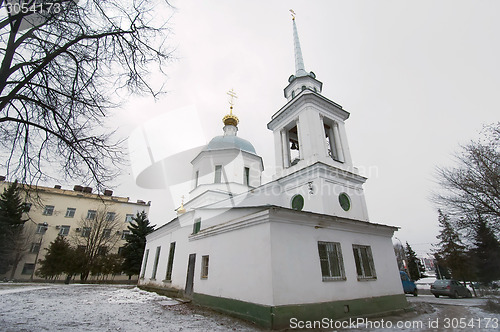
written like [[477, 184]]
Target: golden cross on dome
[[293, 14], [232, 96]]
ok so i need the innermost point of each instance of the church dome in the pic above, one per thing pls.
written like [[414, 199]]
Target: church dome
[[229, 142]]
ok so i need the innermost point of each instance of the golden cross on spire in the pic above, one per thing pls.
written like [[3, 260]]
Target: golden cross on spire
[[232, 96], [293, 14]]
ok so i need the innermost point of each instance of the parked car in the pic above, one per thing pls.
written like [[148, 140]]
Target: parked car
[[409, 286], [451, 288]]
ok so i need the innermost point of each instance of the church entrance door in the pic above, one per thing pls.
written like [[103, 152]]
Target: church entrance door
[[188, 291]]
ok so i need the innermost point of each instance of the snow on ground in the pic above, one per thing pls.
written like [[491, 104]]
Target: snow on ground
[[57, 307]]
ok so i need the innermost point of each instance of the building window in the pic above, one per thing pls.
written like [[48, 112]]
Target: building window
[[330, 258], [35, 247], [70, 212], [364, 262], [106, 233], [196, 225], [91, 214], [27, 207], [49, 210], [246, 176], [86, 231], [293, 93], [28, 268], [218, 174], [64, 230], [41, 228], [110, 216], [144, 263], [204, 267], [120, 251], [345, 201], [124, 234], [129, 218], [155, 265], [297, 202], [196, 176], [170, 263], [102, 251]]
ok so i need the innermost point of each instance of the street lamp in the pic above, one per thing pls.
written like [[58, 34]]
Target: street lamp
[[42, 228]]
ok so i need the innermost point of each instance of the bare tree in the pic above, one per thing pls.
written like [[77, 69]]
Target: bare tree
[[61, 69], [98, 235], [473, 187]]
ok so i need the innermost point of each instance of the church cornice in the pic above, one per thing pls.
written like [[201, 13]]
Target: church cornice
[[307, 96]]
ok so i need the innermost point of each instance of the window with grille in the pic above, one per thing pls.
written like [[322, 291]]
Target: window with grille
[[155, 265], [144, 263], [170, 263], [129, 218], [330, 258], [364, 262], [204, 267]]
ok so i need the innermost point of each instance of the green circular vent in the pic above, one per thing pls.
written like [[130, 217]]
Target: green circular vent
[[297, 202], [344, 201]]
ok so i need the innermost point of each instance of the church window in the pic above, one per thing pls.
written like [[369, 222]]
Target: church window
[[330, 142], [196, 176], [155, 265], [303, 87], [364, 262], [345, 201], [332, 264], [204, 267], [218, 174], [246, 176], [196, 225], [144, 263], [170, 263], [293, 94], [297, 202]]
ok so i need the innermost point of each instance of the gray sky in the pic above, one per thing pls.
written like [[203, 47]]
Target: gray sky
[[418, 77]]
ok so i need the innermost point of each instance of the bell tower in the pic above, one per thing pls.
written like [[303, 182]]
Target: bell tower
[[311, 149], [309, 127]]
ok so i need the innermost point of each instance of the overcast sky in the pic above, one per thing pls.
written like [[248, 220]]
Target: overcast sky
[[418, 78]]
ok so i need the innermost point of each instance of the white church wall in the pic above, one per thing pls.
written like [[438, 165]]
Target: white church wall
[[296, 267], [239, 265]]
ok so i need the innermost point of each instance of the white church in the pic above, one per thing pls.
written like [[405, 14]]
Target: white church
[[300, 246]]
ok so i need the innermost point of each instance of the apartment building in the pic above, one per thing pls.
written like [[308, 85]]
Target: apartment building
[[70, 213]]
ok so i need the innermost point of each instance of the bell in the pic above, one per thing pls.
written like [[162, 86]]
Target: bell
[[294, 146]]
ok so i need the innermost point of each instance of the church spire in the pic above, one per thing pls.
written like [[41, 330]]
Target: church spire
[[299, 61]]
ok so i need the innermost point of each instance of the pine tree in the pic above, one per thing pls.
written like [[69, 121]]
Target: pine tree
[[450, 249], [58, 260], [136, 242], [486, 254], [414, 265], [11, 226]]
